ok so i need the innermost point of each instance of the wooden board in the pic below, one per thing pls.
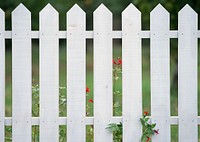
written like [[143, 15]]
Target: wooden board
[[187, 75], [103, 109], [131, 74], [2, 74], [76, 75], [160, 72], [49, 75], [21, 75]]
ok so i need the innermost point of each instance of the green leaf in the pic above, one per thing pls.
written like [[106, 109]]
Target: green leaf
[[146, 119], [112, 127], [142, 121], [153, 125], [117, 131]]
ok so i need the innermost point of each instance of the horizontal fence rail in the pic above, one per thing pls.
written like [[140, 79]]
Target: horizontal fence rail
[[174, 120], [102, 35], [90, 34]]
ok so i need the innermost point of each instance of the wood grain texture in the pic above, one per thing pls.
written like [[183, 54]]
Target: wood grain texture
[[49, 75], [21, 75], [76, 75], [131, 74], [102, 74], [187, 75], [160, 72], [2, 74]]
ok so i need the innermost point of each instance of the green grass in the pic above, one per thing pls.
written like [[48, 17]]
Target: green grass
[[89, 82]]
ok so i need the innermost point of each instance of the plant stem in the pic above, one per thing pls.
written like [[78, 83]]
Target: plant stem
[[114, 86]]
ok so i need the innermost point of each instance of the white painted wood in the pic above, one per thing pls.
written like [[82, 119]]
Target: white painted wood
[[89, 34], [90, 120], [76, 75], [131, 74], [21, 74], [160, 72], [49, 75], [103, 99], [2, 74], [187, 75]]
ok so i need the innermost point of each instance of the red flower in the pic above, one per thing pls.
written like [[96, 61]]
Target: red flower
[[119, 61], [148, 139], [146, 113], [90, 101], [114, 62], [87, 90], [156, 131]]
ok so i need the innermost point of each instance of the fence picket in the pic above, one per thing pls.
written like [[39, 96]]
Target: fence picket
[[160, 72], [131, 74], [102, 73], [187, 75], [103, 34], [76, 72], [49, 75], [21, 74], [2, 74]]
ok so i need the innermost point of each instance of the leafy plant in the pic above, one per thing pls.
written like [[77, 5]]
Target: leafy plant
[[89, 112], [148, 128], [116, 129], [117, 71]]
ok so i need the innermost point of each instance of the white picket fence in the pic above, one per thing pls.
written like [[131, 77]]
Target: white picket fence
[[102, 34]]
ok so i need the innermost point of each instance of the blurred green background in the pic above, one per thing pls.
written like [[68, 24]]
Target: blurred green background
[[116, 7]]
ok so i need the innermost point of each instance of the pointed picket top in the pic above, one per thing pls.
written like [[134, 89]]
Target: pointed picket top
[[2, 17], [1, 12], [131, 24], [131, 9], [21, 22], [102, 14], [49, 10], [76, 18], [75, 9], [102, 10], [159, 19], [159, 10], [21, 9], [187, 14], [187, 10], [49, 18]]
